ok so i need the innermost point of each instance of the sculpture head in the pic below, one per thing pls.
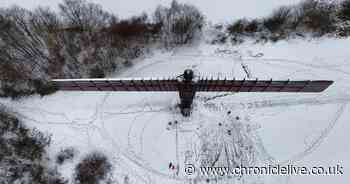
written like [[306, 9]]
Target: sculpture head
[[188, 75]]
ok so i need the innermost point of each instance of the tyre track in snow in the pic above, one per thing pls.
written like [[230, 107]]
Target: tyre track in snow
[[131, 156], [287, 102], [318, 141], [273, 61], [118, 148], [306, 64], [127, 154]]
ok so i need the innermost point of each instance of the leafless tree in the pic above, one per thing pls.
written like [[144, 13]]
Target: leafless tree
[[181, 22]]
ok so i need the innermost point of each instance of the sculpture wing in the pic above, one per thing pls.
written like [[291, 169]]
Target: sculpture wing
[[262, 86], [115, 85]]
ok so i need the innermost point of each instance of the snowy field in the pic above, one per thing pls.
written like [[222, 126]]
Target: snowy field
[[138, 133]]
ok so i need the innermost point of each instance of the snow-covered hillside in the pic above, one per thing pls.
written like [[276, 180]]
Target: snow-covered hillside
[[138, 132]]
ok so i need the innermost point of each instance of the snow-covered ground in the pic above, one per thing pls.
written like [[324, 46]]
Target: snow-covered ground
[[138, 131]]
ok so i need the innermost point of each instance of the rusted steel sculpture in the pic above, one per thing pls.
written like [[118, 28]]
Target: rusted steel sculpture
[[187, 86]]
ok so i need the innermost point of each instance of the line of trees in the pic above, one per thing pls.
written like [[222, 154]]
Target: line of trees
[[82, 40], [309, 18]]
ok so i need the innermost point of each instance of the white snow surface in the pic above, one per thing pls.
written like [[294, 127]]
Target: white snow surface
[[133, 129]]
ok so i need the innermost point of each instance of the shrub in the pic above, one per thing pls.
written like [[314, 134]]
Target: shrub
[[97, 72], [343, 29], [237, 27], [64, 155], [137, 28], [317, 17], [127, 63], [220, 38], [18, 88], [243, 27], [30, 144], [44, 87], [277, 20], [344, 12], [92, 169], [22, 153], [252, 26], [318, 21]]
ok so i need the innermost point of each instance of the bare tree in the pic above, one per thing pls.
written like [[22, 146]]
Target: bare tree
[[23, 45], [79, 13], [181, 22]]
